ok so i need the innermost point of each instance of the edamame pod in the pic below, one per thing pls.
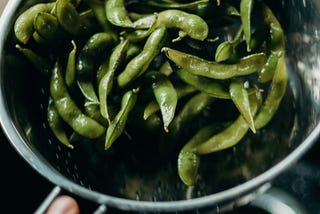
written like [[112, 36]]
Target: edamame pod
[[39, 39], [267, 72], [95, 46], [24, 25], [205, 85], [191, 24], [152, 107], [166, 68], [117, 14], [246, 7], [117, 125], [106, 83], [276, 40], [188, 160], [93, 111], [99, 10], [275, 94], [145, 22], [56, 124], [183, 120], [71, 66], [226, 50], [68, 16], [240, 98], [68, 110], [166, 96], [48, 27], [196, 65], [278, 85], [40, 63], [231, 135], [139, 64], [176, 5]]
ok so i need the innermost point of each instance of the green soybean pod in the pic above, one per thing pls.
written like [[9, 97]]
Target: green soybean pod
[[276, 41], [56, 124], [151, 126], [68, 16], [145, 22], [226, 50], [176, 5], [152, 107], [240, 98], [196, 65], [117, 13], [86, 62], [209, 10], [191, 24], [93, 111], [183, 120], [136, 35], [69, 111], [204, 84], [166, 68], [71, 66], [132, 51], [48, 27], [267, 72], [99, 10], [188, 161], [277, 88], [118, 124], [106, 83], [103, 69], [24, 25], [136, 16], [139, 64], [246, 7], [275, 94], [41, 64], [88, 23], [166, 96], [258, 37], [231, 135], [39, 39]]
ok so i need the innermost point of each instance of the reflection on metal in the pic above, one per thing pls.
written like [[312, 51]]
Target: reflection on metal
[[276, 201], [101, 209], [49, 199]]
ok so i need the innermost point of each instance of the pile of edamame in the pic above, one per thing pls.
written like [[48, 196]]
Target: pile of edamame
[[114, 65]]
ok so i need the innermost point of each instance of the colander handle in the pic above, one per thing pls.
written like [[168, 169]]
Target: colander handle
[[54, 194], [277, 201]]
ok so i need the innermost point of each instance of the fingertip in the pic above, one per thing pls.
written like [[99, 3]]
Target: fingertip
[[64, 205]]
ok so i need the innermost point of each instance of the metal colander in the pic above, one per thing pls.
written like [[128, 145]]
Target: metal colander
[[135, 179]]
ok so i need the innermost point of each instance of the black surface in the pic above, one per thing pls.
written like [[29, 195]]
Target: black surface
[[22, 188]]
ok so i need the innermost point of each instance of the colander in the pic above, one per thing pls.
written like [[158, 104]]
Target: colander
[[135, 180]]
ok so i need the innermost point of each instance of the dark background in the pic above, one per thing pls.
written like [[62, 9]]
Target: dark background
[[22, 188]]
